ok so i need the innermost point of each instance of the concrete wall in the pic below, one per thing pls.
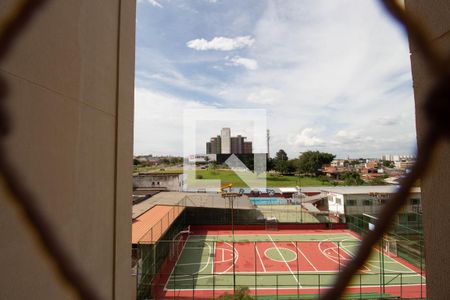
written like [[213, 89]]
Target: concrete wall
[[435, 185], [172, 182], [375, 207], [71, 79]]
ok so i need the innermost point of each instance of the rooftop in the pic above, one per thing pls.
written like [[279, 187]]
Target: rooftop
[[152, 224], [353, 190]]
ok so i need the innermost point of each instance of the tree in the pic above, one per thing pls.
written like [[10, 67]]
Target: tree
[[270, 164], [281, 162], [292, 165], [352, 178], [213, 167], [311, 162], [388, 164], [281, 155]]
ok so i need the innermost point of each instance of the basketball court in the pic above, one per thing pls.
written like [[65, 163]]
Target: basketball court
[[284, 264]]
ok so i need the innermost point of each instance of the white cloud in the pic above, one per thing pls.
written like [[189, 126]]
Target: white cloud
[[264, 96], [248, 63], [221, 43], [306, 138], [155, 3], [341, 75], [342, 69], [152, 2], [158, 122]]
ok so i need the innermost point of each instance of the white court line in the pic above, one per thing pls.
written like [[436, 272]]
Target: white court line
[[173, 269], [214, 257], [279, 252], [259, 256], [300, 251], [377, 266], [205, 265]]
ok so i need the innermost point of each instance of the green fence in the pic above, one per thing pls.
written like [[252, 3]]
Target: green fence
[[405, 237], [295, 266]]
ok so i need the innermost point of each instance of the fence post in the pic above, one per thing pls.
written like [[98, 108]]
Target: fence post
[[421, 268], [360, 287], [380, 268], [214, 285], [382, 271], [193, 286], [318, 284], [277, 284], [339, 255], [401, 286], [256, 271], [174, 281], [298, 272]]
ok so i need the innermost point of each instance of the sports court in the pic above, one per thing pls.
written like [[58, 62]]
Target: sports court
[[283, 264]]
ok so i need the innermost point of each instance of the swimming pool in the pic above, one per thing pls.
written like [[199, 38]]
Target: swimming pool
[[267, 200]]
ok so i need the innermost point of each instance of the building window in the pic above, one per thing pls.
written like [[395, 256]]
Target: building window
[[367, 202], [351, 202], [338, 201]]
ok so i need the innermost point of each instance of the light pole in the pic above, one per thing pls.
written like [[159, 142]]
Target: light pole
[[231, 196]]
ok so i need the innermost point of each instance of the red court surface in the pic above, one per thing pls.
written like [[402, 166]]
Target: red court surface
[[310, 257]]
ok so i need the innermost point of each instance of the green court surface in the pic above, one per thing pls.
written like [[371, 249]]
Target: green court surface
[[290, 262]]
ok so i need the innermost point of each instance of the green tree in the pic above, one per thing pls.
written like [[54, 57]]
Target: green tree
[[281, 155], [292, 165], [311, 162], [281, 162], [352, 178], [388, 164], [270, 164]]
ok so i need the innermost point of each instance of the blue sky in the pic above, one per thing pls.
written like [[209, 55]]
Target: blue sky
[[333, 75]]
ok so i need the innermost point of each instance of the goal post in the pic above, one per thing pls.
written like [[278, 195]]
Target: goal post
[[178, 242], [390, 245]]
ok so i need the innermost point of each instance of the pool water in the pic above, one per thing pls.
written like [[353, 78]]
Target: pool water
[[268, 200]]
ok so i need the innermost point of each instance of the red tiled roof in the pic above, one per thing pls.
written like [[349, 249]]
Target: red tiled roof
[[151, 225]]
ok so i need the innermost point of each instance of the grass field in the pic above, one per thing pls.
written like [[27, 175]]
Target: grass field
[[230, 177], [291, 263]]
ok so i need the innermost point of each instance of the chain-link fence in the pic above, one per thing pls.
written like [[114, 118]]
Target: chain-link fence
[[276, 266]]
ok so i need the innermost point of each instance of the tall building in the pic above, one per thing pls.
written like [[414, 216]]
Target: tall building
[[248, 148], [214, 146], [237, 144], [226, 144], [225, 135]]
